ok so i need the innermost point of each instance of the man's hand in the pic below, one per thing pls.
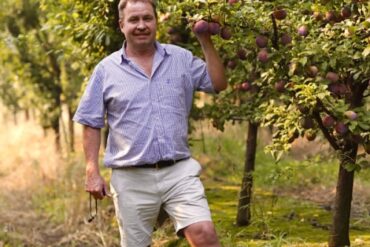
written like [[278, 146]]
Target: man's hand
[[215, 66], [95, 184]]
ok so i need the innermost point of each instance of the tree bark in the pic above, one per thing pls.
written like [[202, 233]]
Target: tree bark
[[71, 130], [56, 128], [343, 198], [244, 207]]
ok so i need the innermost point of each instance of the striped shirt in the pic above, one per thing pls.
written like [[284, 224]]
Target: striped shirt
[[147, 116]]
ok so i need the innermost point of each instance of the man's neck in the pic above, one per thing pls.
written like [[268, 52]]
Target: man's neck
[[140, 52]]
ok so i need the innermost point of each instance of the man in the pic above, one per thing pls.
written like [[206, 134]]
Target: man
[[145, 89]]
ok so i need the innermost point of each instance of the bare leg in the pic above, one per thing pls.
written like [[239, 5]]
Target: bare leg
[[202, 234]]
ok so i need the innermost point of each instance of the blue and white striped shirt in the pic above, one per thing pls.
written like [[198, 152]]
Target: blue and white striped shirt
[[147, 117]]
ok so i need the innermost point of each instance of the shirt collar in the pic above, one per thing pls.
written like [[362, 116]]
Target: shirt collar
[[159, 48]]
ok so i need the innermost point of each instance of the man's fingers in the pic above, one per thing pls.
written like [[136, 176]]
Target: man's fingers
[[106, 192]]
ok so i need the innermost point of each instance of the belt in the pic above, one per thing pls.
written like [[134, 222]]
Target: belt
[[158, 164]]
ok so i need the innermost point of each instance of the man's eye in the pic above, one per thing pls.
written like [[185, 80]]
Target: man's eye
[[148, 18]]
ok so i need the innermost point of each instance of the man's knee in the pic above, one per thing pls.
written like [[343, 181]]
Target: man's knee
[[202, 234]]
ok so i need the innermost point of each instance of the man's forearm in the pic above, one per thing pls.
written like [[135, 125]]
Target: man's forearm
[[215, 66], [91, 145]]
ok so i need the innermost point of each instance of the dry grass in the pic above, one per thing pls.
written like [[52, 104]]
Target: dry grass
[[42, 201]]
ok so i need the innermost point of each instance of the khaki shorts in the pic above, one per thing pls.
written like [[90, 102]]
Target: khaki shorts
[[139, 193]]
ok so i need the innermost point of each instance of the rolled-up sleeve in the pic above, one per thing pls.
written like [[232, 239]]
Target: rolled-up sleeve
[[91, 109]]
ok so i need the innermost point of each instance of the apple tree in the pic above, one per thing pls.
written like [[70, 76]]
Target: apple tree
[[301, 67]]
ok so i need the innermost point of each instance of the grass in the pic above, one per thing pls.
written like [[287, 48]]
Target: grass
[[45, 199]]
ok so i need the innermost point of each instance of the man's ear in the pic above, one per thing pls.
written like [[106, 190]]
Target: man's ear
[[120, 23]]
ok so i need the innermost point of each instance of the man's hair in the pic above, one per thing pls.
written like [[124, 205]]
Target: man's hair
[[123, 3]]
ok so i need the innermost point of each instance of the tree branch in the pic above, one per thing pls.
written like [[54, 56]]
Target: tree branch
[[324, 130], [275, 40]]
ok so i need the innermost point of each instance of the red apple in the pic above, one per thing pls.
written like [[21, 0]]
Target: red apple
[[310, 136], [225, 33], [231, 64], [214, 28], [346, 12], [328, 121], [261, 41], [242, 54], [331, 76], [317, 15], [280, 86], [279, 14], [307, 123], [312, 71], [351, 115], [201, 27], [330, 16], [303, 30], [263, 56], [341, 128], [245, 86], [285, 39], [231, 2]]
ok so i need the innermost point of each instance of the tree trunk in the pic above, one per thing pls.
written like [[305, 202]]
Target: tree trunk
[[343, 198], [56, 128], [71, 130], [27, 114], [244, 207], [15, 120]]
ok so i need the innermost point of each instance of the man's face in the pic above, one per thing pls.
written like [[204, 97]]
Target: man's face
[[139, 24]]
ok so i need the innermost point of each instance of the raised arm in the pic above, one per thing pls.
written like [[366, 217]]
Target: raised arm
[[215, 66]]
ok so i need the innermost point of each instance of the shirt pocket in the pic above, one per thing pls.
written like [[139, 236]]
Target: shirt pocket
[[174, 92]]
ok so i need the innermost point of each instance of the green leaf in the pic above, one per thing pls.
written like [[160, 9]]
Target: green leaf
[[366, 51]]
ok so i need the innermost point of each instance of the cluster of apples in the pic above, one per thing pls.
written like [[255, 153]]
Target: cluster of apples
[[213, 28], [333, 16]]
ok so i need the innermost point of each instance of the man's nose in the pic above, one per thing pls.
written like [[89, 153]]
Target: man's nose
[[141, 25]]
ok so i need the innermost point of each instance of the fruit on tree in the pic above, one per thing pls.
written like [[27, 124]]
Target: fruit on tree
[[351, 115], [231, 64], [310, 135], [312, 71], [241, 54], [261, 41], [307, 123], [232, 1], [279, 14], [201, 27], [280, 86], [285, 39], [303, 30], [330, 16], [328, 121], [317, 15], [346, 12], [337, 88], [263, 56], [341, 128], [245, 86], [226, 33], [214, 28], [303, 109], [293, 136], [331, 76]]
